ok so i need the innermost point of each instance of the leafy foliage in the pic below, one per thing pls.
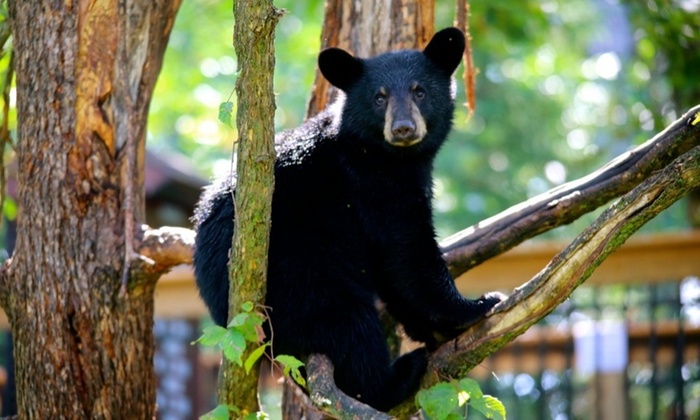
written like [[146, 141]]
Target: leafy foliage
[[292, 367], [230, 341], [450, 400], [560, 92], [226, 113], [200, 67], [220, 412], [223, 412], [245, 328]]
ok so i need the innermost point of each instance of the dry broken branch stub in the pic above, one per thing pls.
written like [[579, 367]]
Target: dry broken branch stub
[[167, 247], [568, 202]]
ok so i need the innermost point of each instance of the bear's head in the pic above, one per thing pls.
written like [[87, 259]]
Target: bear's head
[[404, 97]]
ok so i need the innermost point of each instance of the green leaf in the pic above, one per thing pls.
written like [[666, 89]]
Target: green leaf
[[491, 407], [297, 376], [226, 112], [220, 412], [289, 361], [238, 320], [248, 324], [471, 387], [487, 405], [291, 368], [254, 356], [439, 401], [230, 341], [233, 346], [212, 336]]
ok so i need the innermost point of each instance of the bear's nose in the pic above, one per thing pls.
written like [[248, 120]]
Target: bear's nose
[[403, 129]]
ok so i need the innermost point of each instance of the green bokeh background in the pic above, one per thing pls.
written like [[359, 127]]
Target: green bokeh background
[[563, 87]]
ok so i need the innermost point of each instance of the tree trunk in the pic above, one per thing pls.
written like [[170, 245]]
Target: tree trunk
[[254, 36], [81, 319], [367, 28]]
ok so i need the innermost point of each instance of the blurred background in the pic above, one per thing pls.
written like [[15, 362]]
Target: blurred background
[[563, 87]]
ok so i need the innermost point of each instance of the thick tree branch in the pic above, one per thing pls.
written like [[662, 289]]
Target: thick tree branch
[[326, 396], [568, 202], [571, 267], [534, 300], [253, 40]]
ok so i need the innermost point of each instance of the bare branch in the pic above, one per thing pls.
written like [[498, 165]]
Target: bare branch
[[568, 202]]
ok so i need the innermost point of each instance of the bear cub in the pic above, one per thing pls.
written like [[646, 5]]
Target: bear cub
[[352, 222]]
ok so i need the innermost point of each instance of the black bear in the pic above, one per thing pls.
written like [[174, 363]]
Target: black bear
[[352, 222]]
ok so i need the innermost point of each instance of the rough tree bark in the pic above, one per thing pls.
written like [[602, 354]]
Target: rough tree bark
[[85, 73], [253, 39]]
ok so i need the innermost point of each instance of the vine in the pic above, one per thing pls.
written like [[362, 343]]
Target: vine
[[246, 328]]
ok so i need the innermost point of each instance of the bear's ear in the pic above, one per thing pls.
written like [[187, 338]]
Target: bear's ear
[[339, 67], [446, 49]]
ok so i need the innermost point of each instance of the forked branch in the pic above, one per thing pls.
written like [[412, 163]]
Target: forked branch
[[571, 267]]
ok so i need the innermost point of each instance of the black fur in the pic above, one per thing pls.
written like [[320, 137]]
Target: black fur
[[352, 221]]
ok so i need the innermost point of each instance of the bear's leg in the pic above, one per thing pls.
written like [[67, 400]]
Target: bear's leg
[[363, 367], [406, 374]]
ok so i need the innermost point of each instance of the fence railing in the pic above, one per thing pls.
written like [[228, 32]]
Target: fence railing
[[626, 345], [610, 352]]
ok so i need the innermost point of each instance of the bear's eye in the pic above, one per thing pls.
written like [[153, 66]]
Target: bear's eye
[[418, 93], [380, 99]]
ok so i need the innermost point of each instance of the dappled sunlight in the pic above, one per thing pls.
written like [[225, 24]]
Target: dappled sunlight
[[555, 172], [578, 139], [605, 66], [211, 67]]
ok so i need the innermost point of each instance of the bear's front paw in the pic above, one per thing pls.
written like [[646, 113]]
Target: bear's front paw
[[489, 300]]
